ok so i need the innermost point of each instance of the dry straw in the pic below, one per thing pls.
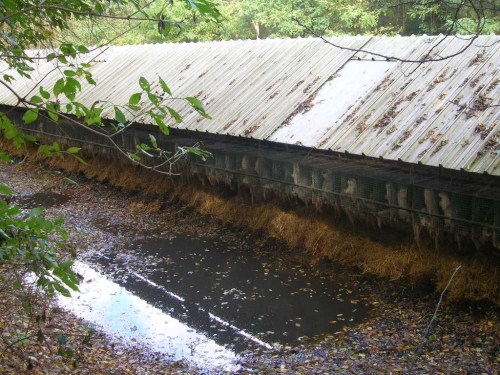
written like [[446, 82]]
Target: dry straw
[[320, 235]]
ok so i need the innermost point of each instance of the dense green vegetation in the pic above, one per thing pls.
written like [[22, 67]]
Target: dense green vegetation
[[244, 19]]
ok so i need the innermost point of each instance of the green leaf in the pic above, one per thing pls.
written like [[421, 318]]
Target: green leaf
[[26, 305], [4, 190], [206, 7], [80, 109], [52, 110], [144, 148], [71, 87], [54, 116], [198, 152], [58, 87], [61, 289], [134, 101], [165, 87], [153, 141], [82, 49], [30, 116], [167, 29], [163, 127], [88, 77], [94, 116], [36, 99], [155, 99], [36, 212], [134, 156], [68, 49], [69, 181], [144, 84], [198, 106], [46, 150], [80, 160], [4, 157], [73, 150], [44, 93], [11, 132], [119, 116], [29, 138], [195, 102], [175, 115], [64, 272], [5, 236], [8, 78], [158, 118]]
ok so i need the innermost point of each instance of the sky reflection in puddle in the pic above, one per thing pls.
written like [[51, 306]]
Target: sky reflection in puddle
[[123, 314], [232, 297]]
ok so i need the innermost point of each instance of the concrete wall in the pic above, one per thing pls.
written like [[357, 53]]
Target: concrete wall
[[368, 193]]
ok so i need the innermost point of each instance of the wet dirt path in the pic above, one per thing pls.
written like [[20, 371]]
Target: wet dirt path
[[386, 337]]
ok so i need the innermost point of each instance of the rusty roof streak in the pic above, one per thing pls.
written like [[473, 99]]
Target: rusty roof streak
[[306, 92]]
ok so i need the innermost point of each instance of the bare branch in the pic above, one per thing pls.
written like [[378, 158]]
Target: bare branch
[[434, 316], [389, 57]]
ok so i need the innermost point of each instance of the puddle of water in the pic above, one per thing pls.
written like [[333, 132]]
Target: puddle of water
[[229, 295], [45, 199], [135, 321]]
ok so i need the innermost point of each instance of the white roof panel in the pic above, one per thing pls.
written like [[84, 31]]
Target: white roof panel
[[307, 92]]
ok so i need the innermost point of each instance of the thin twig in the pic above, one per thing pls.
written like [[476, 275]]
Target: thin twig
[[469, 43], [426, 332], [428, 328]]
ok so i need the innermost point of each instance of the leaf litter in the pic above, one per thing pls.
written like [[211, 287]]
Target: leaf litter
[[465, 338]]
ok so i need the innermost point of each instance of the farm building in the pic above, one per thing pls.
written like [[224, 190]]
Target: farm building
[[366, 131]]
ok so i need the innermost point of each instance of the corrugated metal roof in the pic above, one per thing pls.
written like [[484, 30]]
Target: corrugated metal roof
[[306, 92]]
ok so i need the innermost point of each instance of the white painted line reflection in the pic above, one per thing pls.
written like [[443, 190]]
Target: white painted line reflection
[[240, 331], [152, 283], [212, 316]]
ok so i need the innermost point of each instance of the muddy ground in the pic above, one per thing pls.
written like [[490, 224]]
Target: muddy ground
[[463, 339]]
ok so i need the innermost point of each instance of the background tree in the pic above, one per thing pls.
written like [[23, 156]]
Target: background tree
[[244, 19]]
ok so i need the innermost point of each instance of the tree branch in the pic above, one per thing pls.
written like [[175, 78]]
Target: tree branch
[[429, 325], [389, 57], [108, 137]]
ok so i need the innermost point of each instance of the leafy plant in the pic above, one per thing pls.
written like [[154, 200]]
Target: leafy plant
[[34, 265], [30, 243], [29, 24]]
